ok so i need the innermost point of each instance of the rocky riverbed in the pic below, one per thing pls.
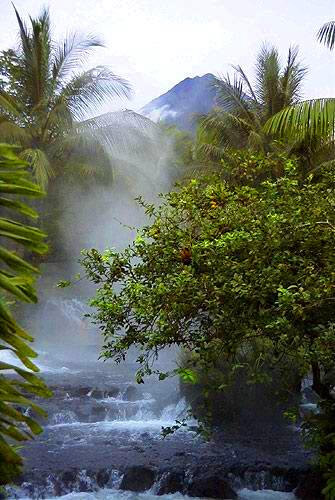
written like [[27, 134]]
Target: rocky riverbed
[[103, 435]]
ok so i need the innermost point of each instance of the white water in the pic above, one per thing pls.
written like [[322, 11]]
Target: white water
[[126, 418], [108, 494], [144, 418], [246, 494]]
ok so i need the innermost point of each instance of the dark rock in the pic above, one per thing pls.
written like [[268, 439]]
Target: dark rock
[[310, 487], [171, 482], [112, 392], [99, 412], [138, 478], [131, 393], [310, 395], [211, 486], [69, 476], [81, 391], [97, 394], [102, 477]]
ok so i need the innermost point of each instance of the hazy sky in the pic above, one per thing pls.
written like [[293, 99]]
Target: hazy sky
[[157, 43]]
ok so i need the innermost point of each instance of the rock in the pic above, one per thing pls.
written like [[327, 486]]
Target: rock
[[81, 391], [138, 478], [98, 413], [171, 482], [102, 477], [69, 477], [112, 392], [131, 393], [310, 487], [309, 395], [211, 486], [96, 394]]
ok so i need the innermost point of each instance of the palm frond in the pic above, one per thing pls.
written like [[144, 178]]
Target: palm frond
[[267, 79], [23, 32], [16, 281], [69, 54], [232, 98], [9, 106], [91, 88], [246, 81], [312, 119], [124, 134], [40, 165], [35, 56], [13, 133], [292, 78], [326, 34]]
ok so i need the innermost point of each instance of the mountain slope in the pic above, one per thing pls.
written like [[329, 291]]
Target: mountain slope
[[179, 105]]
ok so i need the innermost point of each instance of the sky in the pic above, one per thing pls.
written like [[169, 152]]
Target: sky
[[154, 44]]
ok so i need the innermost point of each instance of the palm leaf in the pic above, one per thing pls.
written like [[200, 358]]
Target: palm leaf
[[313, 118], [16, 281], [40, 164], [91, 88], [72, 52], [326, 34]]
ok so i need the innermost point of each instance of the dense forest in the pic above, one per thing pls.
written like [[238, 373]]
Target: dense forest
[[235, 266]]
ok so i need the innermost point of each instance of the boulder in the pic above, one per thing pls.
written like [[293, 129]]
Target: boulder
[[131, 393], [138, 478], [212, 487], [310, 487], [171, 482], [102, 477]]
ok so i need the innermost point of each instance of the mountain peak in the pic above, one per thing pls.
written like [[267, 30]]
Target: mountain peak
[[177, 106]]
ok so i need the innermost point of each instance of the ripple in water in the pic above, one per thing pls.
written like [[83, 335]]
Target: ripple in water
[[107, 494]]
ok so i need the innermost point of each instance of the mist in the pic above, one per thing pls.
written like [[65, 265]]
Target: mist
[[99, 216]]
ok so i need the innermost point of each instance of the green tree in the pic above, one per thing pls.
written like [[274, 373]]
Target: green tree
[[244, 107], [16, 283], [226, 269], [312, 120], [45, 96]]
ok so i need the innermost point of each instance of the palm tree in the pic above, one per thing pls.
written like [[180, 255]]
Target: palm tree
[[244, 108], [16, 282], [312, 120], [44, 97]]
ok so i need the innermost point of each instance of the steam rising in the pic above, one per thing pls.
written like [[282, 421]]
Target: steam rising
[[98, 217]]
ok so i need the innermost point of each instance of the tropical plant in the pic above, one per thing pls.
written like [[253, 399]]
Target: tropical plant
[[326, 34], [312, 120], [44, 97], [226, 269], [244, 107], [16, 283]]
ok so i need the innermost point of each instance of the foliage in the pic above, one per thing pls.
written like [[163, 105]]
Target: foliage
[[182, 145], [16, 281], [312, 120], [231, 265], [222, 267], [326, 34], [244, 107], [319, 433], [44, 97]]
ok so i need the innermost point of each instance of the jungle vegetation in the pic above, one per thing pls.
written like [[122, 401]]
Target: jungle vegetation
[[46, 98], [17, 278], [239, 260], [237, 266]]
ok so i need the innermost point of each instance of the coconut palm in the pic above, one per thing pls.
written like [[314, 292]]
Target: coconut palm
[[312, 120], [244, 107], [44, 97]]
